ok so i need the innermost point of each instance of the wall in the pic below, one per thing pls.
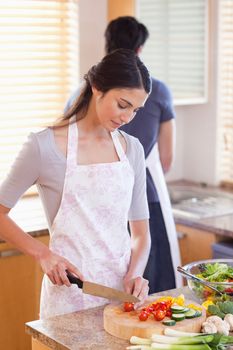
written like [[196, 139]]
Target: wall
[[93, 20], [197, 125]]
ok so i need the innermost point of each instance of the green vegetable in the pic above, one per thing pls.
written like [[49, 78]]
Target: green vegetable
[[178, 317], [214, 310], [139, 347], [200, 339], [226, 307], [175, 333], [219, 341], [198, 313], [191, 314], [169, 322], [216, 272], [176, 309], [190, 341], [221, 308], [159, 346]]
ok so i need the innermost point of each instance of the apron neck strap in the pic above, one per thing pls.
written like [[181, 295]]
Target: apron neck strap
[[119, 149], [72, 144]]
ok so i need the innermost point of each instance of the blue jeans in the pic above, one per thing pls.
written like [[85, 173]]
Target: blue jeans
[[159, 270]]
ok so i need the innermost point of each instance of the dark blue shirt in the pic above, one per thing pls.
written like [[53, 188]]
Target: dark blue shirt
[[145, 125]]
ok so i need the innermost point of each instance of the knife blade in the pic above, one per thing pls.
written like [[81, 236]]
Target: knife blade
[[100, 290]]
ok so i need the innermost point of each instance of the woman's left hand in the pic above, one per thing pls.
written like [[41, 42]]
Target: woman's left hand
[[137, 286]]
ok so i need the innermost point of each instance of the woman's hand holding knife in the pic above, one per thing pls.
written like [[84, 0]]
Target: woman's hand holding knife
[[55, 266]]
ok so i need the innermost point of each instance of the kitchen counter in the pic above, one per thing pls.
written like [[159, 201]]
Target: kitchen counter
[[82, 330], [221, 225]]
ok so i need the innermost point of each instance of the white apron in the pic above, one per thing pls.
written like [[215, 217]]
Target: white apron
[[154, 165], [90, 228]]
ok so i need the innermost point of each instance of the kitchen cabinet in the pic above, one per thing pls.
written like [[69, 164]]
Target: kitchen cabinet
[[19, 296], [37, 345], [195, 244]]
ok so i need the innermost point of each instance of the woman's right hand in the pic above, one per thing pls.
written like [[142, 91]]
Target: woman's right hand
[[55, 266]]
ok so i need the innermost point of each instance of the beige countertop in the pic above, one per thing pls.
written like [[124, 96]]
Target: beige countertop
[[220, 225], [82, 330]]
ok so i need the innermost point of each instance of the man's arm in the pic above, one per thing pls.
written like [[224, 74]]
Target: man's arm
[[166, 143]]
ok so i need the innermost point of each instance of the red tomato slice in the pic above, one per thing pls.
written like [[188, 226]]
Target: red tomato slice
[[128, 306]]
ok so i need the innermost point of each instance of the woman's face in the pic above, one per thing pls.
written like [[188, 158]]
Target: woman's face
[[118, 106]]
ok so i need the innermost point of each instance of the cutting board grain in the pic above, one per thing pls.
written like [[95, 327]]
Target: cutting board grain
[[125, 324]]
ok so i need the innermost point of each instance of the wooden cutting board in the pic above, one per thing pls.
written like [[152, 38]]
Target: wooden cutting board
[[123, 324]]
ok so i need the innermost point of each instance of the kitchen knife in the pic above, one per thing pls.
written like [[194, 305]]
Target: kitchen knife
[[101, 291]]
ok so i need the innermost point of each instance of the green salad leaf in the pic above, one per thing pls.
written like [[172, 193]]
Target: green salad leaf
[[216, 272]]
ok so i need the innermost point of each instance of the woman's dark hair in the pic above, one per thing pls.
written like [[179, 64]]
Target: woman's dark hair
[[125, 32], [120, 69]]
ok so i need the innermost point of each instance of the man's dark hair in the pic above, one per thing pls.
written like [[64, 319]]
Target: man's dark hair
[[125, 32]]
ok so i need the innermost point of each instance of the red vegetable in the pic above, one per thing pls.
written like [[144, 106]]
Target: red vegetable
[[168, 313], [143, 316], [159, 315], [128, 306]]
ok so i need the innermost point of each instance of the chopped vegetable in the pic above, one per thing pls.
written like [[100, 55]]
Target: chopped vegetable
[[178, 309], [178, 317], [206, 303], [128, 306], [169, 323], [143, 316], [191, 313], [159, 315]]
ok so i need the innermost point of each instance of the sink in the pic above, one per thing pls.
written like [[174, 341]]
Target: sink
[[200, 203]]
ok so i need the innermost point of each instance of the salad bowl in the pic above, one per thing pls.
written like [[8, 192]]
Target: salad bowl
[[218, 273]]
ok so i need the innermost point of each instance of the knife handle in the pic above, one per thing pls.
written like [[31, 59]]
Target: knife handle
[[74, 280]]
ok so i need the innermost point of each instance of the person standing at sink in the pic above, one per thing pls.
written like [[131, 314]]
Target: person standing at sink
[[154, 126], [92, 179]]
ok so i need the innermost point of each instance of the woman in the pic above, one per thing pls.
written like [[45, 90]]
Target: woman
[[154, 126], [91, 178]]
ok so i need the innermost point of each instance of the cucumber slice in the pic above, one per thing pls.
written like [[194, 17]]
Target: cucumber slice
[[169, 322], [177, 309], [186, 309], [191, 313], [178, 316], [198, 313]]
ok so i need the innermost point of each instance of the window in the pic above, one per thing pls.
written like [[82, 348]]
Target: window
[[176, 51], [38, 68], [226, 90]]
